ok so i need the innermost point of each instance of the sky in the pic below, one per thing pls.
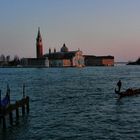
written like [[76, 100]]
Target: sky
[[97, 27]]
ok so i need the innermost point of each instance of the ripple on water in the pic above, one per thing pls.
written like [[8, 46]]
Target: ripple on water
[[74, 103]]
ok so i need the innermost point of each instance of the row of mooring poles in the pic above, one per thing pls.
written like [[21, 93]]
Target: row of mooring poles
[[23, 103]]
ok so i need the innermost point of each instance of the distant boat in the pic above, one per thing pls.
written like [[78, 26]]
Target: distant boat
[[128, 92]]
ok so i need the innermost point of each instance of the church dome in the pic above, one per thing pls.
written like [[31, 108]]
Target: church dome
[[64, 48]]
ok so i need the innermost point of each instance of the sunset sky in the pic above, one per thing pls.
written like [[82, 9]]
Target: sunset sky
[[97, 27]]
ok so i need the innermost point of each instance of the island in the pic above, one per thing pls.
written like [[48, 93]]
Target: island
[[137, 62]]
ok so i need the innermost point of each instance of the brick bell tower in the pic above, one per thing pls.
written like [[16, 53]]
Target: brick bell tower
[[39, 45]]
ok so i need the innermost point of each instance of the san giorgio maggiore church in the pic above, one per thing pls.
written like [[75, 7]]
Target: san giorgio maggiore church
[[64, 58]]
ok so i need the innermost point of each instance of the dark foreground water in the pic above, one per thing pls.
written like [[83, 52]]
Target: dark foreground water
[[74, 103]]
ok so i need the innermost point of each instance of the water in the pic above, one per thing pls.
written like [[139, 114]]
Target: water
[[74, 103]]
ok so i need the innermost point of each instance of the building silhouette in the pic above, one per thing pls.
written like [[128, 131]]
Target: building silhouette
[[64, 57], [91, 60]]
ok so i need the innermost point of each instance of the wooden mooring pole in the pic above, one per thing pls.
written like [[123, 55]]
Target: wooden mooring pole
[[11, 117], [17, 112], [27, 105], [0, 106], [4, 122]]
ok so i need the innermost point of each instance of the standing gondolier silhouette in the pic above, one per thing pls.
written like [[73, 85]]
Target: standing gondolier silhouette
[[119, 84]]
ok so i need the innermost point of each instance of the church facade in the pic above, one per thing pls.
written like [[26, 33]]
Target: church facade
[[65, 58]]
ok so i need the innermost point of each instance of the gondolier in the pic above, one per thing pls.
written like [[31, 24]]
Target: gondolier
[[119, 84]]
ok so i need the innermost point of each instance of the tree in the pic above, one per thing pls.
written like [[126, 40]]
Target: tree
[[16, 58], [2, 58], [8, 58]]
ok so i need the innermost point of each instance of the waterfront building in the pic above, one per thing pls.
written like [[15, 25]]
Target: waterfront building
[[91, 60], [35, 62]]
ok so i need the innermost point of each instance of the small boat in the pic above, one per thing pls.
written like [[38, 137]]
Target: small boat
[[128, 92]]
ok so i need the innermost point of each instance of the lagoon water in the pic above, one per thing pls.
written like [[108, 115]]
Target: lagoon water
[[74, 103]]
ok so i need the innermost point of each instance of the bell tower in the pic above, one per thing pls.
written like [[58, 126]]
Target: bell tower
[[39, 45]]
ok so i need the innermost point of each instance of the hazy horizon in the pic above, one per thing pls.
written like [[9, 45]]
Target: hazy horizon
[[97, 27]]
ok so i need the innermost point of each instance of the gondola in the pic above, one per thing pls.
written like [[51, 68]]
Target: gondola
[[128, 92]]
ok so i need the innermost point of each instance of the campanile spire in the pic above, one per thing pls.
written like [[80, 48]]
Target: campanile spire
[[39, 45]]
